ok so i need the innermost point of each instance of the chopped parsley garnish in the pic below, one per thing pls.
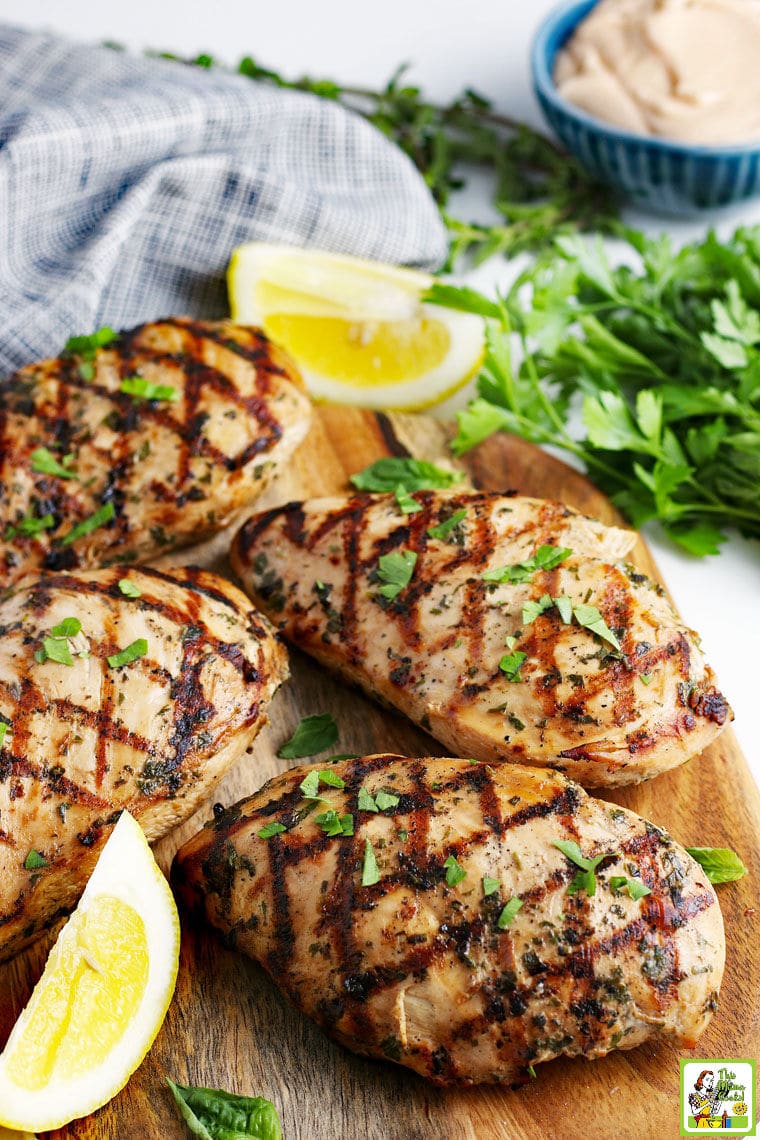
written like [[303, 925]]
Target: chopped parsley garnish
[[385, 800], [564, 607], [455, 872], [129, 589], [310, 784], [313, 734], [4, 727], [444, 529], [131, 653], [102, 515], [333, 824], [585, 879], [365, 802], [490, 886], [380, 802], [508, 913], [531, 610], [44, 462], [395, 572], [270, 829], [588, 617], [34, 861], [30, 526], [405, 503], [87, 346], [636, 889], [55, 645], [545, 558], [391, 472], [370, 871], [512, 663], [143, 389], [721, 864]]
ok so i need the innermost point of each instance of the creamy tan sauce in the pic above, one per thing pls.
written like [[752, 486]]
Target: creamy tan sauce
[[680, 69]]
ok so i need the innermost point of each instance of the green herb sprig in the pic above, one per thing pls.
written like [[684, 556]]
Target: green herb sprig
[[214, 1114], [313, 734]]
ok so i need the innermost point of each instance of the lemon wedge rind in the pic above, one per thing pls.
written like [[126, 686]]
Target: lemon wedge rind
[[127, 886]]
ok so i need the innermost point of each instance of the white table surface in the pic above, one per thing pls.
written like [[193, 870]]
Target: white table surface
[[451, 45]]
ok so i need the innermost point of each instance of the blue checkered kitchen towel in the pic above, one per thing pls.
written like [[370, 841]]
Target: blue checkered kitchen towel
[[126, 182]]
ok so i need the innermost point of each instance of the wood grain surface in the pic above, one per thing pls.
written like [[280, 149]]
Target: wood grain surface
[[229, 1028]]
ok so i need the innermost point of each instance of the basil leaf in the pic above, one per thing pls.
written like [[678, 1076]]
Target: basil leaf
[[511, 664], [395, 570], [636, 889], [365, 801], [30, 526], [214, 1114], [531, 610], [87, 346], [490, 886], [391, 472], [55, 649], [405, 503], [313, 734], [102, 515], [444, 529], [310, 785], [69, 627], [590, 618], [143, 389], [4, 728], [333, 824], [44, 462], [386, 800], [131, 653], [545, 558], [721, 864]]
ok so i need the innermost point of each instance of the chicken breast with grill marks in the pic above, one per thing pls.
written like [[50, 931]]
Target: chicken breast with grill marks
[[584, 667], [91, 474], [442, 928], [88, 738]]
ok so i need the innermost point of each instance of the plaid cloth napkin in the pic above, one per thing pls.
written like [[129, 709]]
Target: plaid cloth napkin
[[126, 182]]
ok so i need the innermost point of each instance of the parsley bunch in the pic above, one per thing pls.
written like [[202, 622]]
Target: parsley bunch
[[661, 362]]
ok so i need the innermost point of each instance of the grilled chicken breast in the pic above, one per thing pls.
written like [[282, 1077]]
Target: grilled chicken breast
[[91, 474], [86, 739], [444, 929], [584, 668]]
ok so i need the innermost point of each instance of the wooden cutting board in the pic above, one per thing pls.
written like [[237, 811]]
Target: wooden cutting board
[[228, 1027]]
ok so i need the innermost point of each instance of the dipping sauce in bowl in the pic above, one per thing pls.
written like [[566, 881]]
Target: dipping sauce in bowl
[[687, 70]]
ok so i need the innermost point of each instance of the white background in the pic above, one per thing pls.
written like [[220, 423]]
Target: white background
[[451, 45]]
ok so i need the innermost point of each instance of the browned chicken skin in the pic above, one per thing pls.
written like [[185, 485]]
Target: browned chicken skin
[[422, 965], [147, 475], [88, 739], [461, 655]]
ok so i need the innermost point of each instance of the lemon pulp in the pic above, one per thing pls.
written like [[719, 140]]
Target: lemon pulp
[[97, 986], [361, 353]]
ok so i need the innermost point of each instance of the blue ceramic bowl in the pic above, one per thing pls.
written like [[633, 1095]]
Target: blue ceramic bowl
[[669, 177]]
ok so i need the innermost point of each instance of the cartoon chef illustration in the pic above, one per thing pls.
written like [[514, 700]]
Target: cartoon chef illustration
[[703, 1103]]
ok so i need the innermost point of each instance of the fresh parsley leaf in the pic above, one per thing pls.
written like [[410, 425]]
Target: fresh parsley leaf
[[546, 558], [129, 589], [636, 889], [444, 529], [214, 1114], [87, 346], [721, 864], [395, 572], [508, 913], [370, 870], [490, 886], [101, 516], [45, 463], [129, 654], [30, 526], [333, 824], [313, 734], [144, 390], [386, 800], [512, 663], [270, 829], [405, 503], [455, 872], [365, 802], [392, 473], [590, 618], [34, 861]]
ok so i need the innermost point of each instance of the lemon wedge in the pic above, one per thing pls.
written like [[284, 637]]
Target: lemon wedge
[[103, 995], [357, 329]]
